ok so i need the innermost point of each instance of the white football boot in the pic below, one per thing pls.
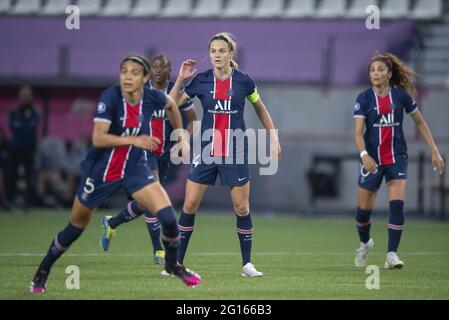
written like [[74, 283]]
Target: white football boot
[[362, 253], [250, 271], [393, 261]]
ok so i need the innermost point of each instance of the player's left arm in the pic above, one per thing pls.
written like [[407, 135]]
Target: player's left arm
[[267, 122], [437, 160]]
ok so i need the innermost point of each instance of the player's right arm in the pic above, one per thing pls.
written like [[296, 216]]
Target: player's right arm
[[359, 124], [368, 162], [186, 71], [102, 139]]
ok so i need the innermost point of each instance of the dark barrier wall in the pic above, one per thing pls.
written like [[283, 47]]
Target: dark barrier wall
[[332, 52]]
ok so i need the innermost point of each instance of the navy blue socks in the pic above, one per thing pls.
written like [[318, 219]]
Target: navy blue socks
[[395, 224], [363, 224], [245, 232]]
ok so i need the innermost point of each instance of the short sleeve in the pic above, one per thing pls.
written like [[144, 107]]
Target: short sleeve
[[409, 103], [252, 94], [105, 107], [187, 106], [360, 107], [192, 89]]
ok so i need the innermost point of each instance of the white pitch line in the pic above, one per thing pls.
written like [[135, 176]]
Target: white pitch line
[[23, 254]]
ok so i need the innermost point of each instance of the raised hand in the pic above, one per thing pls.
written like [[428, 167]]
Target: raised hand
[[187, 69]]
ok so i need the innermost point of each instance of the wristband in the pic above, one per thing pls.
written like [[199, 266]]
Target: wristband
[[363, 153]]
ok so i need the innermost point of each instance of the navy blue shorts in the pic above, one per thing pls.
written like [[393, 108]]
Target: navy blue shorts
[[161, 164], [93, 193], [232, 175], [372, 181], [152, 163]]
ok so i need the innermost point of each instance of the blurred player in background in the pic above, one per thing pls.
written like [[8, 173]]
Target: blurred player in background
[[117, 160], [383, 150], [4, 154], [23, 123], [222, 91], [160, 67]]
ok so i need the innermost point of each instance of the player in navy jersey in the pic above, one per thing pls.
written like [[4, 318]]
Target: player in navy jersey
[[160, 127], [383, 150], [118, 159], [222, 91]]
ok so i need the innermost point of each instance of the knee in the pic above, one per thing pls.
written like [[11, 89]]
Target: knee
[[191, 206], [241, 208]]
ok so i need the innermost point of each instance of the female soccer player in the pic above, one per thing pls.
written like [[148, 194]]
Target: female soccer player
[[222, 91], [160, 127], [118, 160], [383, 150]]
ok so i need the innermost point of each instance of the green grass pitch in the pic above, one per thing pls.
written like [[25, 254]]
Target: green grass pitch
[[301, 257]]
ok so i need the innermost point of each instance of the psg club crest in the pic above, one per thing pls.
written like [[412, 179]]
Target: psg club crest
[[101, 107], [230, 92]]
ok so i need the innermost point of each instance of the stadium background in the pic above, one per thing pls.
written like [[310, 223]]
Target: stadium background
[[308, 57]]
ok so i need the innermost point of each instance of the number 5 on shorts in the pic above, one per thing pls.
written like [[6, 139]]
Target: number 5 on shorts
[[89, 186]]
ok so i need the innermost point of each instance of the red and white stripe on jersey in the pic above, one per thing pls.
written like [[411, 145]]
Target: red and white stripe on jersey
[[115, 169], [222, 122], [157, 126], [157, 129], [385, 150]]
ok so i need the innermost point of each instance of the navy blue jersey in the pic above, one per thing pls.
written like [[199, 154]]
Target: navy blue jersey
[[24, 125], [223, 102], [384, 137], [161, 127], [111, 164]]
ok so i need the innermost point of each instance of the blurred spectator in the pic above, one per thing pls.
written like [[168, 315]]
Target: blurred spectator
[[51, 163], [76, 154], [23, 123], [4, 153]]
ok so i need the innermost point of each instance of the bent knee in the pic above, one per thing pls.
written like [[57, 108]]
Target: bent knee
[[241, 208], [191, 206]]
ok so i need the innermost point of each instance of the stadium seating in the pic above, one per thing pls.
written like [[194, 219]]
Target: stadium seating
[[54, 7], [358, 8], [207, 8], [427, 9], [115, 8], [331, 9], [146, 8], [89, 7], [258, 9], [5, 6], [269, 9], [177, 8], [238, 9], [300, 9], [394, 9], [26, 7]]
